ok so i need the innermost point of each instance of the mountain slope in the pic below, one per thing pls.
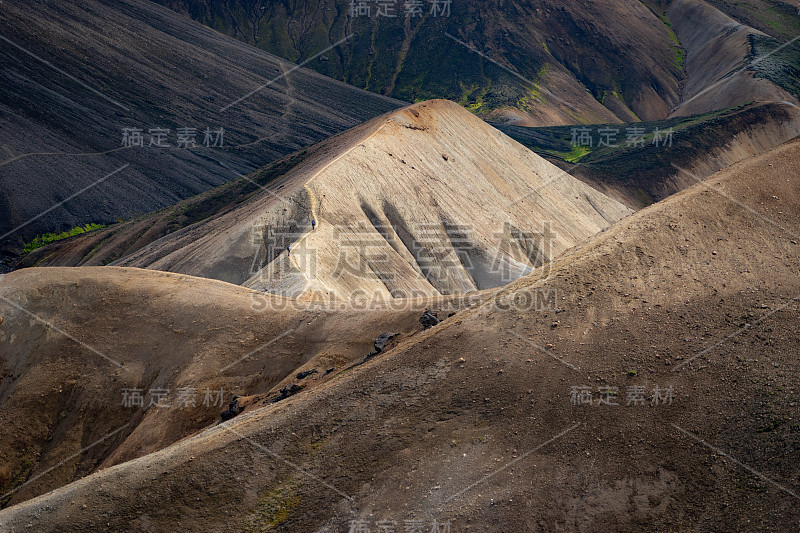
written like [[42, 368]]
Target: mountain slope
[[74, 76], [641, 174], [424, 201], [570, 61], [777, 18], [474, 419], [538, 63], [66, 370], [720, 60]]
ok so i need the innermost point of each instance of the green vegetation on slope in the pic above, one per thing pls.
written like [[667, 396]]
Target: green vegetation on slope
[[680, 54], [778, 18], [47, 238], [642, 168], [415, 58], [274, 509], [782, 67]]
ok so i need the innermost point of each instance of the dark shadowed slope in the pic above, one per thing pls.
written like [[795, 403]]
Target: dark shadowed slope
[[640, 172], [540, 63], [472, 421], [73, 75], [536, 63]]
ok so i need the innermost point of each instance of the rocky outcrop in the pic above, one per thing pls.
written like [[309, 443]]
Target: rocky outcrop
[[428, 320]]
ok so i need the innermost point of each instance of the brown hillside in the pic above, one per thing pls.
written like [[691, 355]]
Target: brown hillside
[[473, 421], [73, 340]]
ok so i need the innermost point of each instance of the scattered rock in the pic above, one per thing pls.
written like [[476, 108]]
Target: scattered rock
[[233, 409], [382, 340], [305, 373], [428, 319], [379, 344], [288, 390]]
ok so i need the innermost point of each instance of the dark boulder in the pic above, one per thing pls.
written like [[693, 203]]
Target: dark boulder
[[382, 340], [233, 409], [288, 390], [379, 344], [428, 319], [305, 373]]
